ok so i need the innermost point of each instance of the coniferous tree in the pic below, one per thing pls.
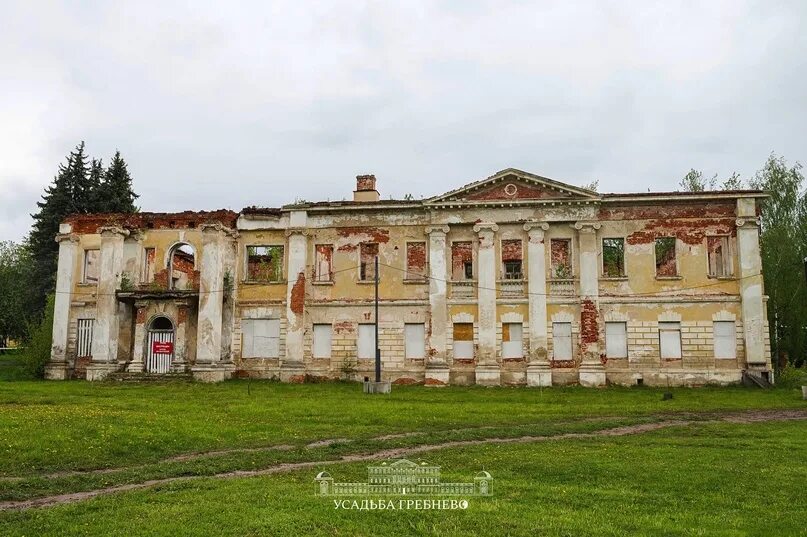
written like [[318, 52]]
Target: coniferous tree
[[116, 192], [96, 177]]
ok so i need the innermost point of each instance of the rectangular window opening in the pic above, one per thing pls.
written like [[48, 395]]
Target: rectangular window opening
[[415, 260], [84, 332], [415, 340], [666, 264], [616, 340], [562, 341], [462, 260], [725, 339], [323, 263], [367, 252], [321, 347], [613, 258], [720, 261], [464, 340], [669, 334], [512, 340], [560, 251], [92, 260], [149, 259], [260, 338], [366, 342], [511, 259], [264, 263]]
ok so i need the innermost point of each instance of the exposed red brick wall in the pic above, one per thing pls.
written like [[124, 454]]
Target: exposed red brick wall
[[90, 223], [344, 327], [298, 295], [362, 234], [461, 252], [690, 231], [511, 250], [365, 182], [560, 254], [716, 209], [141, 315], [416, 259], [589, 328], [523, 191]]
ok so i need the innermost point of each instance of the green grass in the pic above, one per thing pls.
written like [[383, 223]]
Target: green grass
[[724, 479]]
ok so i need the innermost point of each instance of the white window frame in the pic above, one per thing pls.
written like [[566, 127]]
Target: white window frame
[[414, 340], [562, 349], [616, 339], [725, 345], [514, 348], [258, 339], [669, 340], [321, 340]]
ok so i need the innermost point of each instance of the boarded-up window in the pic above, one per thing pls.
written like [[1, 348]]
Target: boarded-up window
[[366, 343], [264, 263], [323, 263], [613, 258], [720, 262], [260, 338], [367, 252], [512, 340], [511, 259], [562, 341], [725, 339], [669, 335], [415, 260], [149, 257], [462, 260], [616, 340], [561, 256], [92, 260], [464, 340], [666, 264], [321, 347], [415, 340], [84, 331]]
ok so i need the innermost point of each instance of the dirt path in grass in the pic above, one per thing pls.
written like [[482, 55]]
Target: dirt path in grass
[[691, 419]]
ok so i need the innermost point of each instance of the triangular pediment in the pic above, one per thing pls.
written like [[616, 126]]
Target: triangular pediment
[[511, 185]]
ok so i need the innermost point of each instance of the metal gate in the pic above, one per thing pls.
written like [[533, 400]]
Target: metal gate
[[158, 360]]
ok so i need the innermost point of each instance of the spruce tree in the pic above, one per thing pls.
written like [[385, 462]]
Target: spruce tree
[[68, 194], [96, 177], [116, 188]]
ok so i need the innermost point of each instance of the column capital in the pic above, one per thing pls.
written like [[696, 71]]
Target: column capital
[[437, 230], [113, 231], [587, 227], [62, 237], [485, 227], [536, 229], [297, 231], [748, 221]]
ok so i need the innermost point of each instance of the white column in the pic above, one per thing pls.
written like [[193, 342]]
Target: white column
[[293, 368], [106, 327], [538, 370], [57, 368], [592, 371], [437, 371], [138, 337], [211, 296], [487, 370], [751, 288]]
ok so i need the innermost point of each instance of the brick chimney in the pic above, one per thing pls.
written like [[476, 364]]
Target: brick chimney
[[365, 189]]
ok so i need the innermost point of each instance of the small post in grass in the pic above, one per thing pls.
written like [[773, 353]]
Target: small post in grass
[[378, 386]]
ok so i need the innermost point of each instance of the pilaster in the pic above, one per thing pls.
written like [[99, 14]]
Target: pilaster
[[437, 371], [751, 287], [211, 297], [539, 372], [591, 371], [292, 368], [57, 368], [487, 370]]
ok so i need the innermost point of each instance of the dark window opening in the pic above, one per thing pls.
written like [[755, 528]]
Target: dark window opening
[[264, 263], [613, 258]]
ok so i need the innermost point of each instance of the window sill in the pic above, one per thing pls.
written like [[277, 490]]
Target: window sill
[[613, 278], [368, 282], [260, 282], [669, 278], [514, 281], [85, 284], [413, 281], [322, 282], [462, 282], [721, 278]]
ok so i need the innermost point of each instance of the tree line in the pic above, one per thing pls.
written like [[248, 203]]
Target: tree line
[[81, 185]]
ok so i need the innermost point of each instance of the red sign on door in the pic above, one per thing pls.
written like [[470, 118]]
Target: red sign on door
[[162, 347]]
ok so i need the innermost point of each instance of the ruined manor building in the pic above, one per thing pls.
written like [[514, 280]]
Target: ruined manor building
[[512, 280]]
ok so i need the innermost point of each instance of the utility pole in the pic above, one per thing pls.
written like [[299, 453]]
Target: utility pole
[[377, 347]]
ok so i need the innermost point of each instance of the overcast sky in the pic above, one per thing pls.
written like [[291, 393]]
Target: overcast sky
[[216, 106]]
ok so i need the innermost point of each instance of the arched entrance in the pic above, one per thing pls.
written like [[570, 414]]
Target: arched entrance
[[160, 345]]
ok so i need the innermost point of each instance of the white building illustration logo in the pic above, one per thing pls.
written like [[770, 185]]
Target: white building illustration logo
[[403, 477]]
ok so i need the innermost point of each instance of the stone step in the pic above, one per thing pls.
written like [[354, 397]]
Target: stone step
[[127, 376], [756, 379]]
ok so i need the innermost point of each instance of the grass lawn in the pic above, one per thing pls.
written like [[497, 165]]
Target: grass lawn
[[704, 478]]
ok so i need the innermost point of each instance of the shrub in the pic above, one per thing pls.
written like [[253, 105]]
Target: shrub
[[38, 346], [792, 377]]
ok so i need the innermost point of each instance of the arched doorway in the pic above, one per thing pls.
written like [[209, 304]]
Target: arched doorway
[[160, 349], [181, 264]]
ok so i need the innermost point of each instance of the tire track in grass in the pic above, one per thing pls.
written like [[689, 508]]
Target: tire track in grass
[[711, 418]]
